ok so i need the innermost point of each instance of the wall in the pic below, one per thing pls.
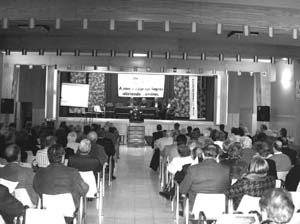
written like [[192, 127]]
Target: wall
[[285, 106]]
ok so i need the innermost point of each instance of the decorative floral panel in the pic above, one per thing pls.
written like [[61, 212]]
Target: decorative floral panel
[[181, 96]]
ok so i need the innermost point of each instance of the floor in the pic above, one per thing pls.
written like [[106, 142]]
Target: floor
[[133, 196]]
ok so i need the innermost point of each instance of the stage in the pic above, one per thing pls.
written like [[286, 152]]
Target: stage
[[150, 125]]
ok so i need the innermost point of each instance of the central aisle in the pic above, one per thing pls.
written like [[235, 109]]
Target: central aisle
[[133, 196]]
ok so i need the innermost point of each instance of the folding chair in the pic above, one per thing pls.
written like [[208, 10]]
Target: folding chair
[[212, 205], [11, 185], [22, 195], [95, 192], [282, 175], [177, 202], [237, 218], [248, 203], [110, 171], [62, 204], [296, 200]]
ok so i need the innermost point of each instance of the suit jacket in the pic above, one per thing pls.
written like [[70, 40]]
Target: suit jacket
[[108, 145], [10, 207], [291, 153], [98, 152], [283, 162], [272, 168], [84, 163], [59, 179], [14, 172], [155, 136], [292, 179], [205, 177]]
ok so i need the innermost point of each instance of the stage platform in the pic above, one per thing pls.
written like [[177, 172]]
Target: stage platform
[[150, 125]]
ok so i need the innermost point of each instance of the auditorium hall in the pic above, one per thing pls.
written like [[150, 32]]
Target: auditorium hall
[[149, 111]]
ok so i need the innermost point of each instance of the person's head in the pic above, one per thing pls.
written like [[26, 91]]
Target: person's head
[[72, 136], [220, 136], [176, 126], [283, 132], [92, 136], [183, 150], [222, 127], [158, 127], [210, 151], [169, 134], [85, 146], [263, 128], [258, 165], [277, 206], [261, 136], [189, 129], [262, 148], [246, 142], [50, 140], [235, 151], [277, 145], [234, 131], [12, 153], [86, 129], [181, 140], [196, 133], [144, 100], [56, 154]]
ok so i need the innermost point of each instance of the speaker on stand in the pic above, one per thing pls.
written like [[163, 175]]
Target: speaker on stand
[[263, 113], [7, 107]]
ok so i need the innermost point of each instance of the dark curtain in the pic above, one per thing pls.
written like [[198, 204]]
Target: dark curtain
[[111, 89], [210, 96]]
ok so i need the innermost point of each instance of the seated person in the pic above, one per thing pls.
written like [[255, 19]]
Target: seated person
[[170, 151], [41, 155], [276, 206], [178, 162], [206, 177], [97, 151], [283, 162], [72, 137], [157, 135], [14, 172], [293, 178], [234, 160], [59, 179], [82, 161], [144, 102], [10, 207], [254, 183]]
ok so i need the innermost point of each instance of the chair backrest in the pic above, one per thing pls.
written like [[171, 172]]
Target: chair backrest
[[213, 205], [22, 195], [59, 203], [1, 220], [278, 183], [282, 175], [238, 218], [38, 216], [11, 185], [89, 178], [249, 203], [298, 187], [296, 200]]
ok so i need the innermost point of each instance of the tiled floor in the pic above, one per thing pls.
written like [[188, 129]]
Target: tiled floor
[[133, 196]]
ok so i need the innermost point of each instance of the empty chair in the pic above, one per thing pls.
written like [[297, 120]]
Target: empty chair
[[282, 175], [249, 203]]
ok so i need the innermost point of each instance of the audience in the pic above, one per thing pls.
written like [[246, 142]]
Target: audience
[[58, 179], [42, 155], [206, 177], [16, 173], [189, 131], [254, 183], [276, 206], [283, 162], [170, 151], [156, 135]]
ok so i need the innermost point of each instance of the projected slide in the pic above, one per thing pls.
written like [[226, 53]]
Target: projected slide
[[74, 95], [140, 85]]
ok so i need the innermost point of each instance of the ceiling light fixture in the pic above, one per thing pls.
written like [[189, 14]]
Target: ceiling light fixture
[[4, 23], [246, 30], [238, 58], [85, 23], [31, 23], [295, 33], [194, 27], [58, 52], [221, 57], [41, 51], [94, 53], [203, 56], [7, 51], [167, 26], [112, 24], [184, 56], [24, 51], [149, 54], [57, 23], [219, 28], [167, 55], [255, 59], [140, 25], [271, 31]]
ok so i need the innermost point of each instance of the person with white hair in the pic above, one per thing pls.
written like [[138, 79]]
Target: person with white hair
[[97, 151], [248, 151], [72, 144], [82, 160]]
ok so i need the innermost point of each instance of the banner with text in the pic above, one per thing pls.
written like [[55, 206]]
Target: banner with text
[[135, 85], [193, 80]]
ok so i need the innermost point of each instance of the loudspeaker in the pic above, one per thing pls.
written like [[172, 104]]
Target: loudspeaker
[[7, 106], [263, 113]]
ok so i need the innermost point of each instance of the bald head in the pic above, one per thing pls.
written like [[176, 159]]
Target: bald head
[[92, 136], [84, 146], [12, 153]]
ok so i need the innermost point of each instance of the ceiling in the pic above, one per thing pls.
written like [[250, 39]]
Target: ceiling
[[232, 14]]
